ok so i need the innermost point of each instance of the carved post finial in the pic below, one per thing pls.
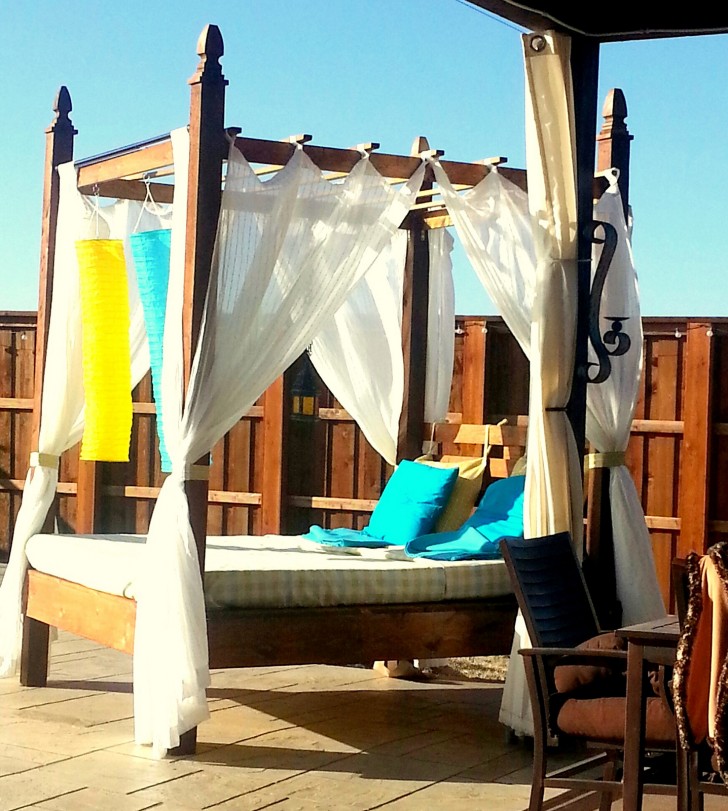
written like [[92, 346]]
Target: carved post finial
[[62, 107], [615, 104], [614, 112], [210, 48], [210, 43]]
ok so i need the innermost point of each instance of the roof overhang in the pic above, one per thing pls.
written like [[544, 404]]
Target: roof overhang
[[620, 20]]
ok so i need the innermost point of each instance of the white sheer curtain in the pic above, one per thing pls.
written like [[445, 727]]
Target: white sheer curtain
[[493, 222], [610, 408], [553, 499], [63, 396], [553, 478], [288, 251], [358, 353], [440, 327]]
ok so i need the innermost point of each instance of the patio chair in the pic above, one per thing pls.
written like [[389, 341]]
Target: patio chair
[[575, 672], [700, 684]]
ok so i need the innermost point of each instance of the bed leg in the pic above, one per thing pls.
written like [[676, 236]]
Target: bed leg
[[187, 744], [34, 653]]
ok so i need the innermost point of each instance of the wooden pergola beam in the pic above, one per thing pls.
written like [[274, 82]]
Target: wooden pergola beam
[[158, 156]]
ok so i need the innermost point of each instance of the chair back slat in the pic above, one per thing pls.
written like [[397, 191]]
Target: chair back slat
[[551, 590]]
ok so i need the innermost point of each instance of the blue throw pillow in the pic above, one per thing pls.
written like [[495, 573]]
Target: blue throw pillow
[[411, 502], [499, 515], [502, 501]]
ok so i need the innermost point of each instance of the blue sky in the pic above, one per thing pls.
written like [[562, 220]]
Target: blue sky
[[346, 72]]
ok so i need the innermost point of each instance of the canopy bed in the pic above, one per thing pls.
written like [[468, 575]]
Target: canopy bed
[[158, 609], [451, 614]]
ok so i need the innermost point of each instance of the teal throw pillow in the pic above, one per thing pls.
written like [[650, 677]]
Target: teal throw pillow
[[411, 502], [499, 515]]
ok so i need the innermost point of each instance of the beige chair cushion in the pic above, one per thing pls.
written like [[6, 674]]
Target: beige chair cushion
[[602, 679], [602, 719]]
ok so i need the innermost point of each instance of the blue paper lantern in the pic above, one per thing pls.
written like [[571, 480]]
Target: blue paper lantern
[[150, 250]]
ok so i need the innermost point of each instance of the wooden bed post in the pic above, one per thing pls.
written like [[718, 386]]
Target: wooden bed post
[[613, 150], [275, 468], [414, 326], [207, 152], [59, 149]]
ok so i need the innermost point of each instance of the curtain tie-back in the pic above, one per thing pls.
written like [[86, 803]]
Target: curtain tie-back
[[608, 459], [196, 473], [44, 460], [555, 408]]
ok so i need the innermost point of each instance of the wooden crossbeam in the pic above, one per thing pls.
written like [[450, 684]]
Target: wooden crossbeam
[[157, 158]]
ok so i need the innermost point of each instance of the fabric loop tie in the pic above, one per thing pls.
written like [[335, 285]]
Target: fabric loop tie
[[196, 473], [605, 460], [44, 460]]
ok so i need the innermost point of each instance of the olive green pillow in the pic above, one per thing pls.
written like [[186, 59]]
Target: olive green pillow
[[465, 493]]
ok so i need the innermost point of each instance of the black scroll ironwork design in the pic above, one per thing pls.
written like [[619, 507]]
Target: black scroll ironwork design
[[613, 337]]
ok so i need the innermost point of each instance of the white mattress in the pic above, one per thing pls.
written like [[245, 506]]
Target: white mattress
[[274, 571]]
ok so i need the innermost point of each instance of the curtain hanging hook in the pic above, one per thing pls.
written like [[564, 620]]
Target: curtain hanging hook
[[96, 208], [148, 203]]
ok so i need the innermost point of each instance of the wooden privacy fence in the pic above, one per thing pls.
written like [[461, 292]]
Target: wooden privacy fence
[[274, 474]]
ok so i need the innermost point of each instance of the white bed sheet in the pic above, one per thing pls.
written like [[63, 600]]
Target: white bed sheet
[[274, 571]]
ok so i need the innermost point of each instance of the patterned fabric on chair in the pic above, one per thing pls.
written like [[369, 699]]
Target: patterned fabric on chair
[[701, 678]]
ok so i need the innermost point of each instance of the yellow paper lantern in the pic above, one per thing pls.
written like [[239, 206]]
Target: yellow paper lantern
[[106, 351]]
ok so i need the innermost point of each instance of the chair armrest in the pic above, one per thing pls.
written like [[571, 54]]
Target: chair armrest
[[575, 656]]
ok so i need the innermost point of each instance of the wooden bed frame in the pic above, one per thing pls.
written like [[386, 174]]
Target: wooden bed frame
[[254, 637]]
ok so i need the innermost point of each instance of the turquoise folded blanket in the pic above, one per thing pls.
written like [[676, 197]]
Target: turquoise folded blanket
[[499, 515], [344, 537]]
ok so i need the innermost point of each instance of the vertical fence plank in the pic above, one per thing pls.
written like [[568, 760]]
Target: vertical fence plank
[[257, 460], [218, 469], [473, 380], [237, 475], [696, 451], [718, 504], [342, 468], [274, 423], [7, 435], [22, 420], [371, 473], [663, 452]]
